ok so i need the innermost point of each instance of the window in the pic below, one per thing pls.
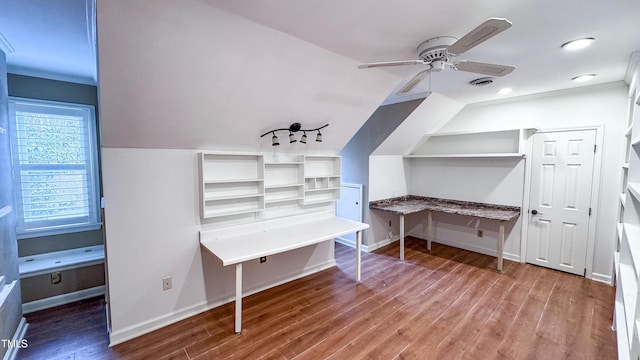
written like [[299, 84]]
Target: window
[[54, 152]]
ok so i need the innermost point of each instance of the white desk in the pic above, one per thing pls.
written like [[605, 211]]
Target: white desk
[[249, 242]]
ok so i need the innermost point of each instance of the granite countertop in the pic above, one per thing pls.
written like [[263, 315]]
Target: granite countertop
[[409, 204]]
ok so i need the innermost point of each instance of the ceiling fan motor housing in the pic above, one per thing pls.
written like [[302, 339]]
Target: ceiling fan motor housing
[[436, 48]]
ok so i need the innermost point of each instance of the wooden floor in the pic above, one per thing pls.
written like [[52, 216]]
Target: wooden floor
[[450, 304]]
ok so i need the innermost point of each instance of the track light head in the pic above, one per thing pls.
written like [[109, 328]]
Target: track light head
[[303, 139], [274, 140], [319, 136], [292, 137]]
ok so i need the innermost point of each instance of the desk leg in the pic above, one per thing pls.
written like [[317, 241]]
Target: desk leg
[[238, 322], [402, 238], [429, 230], [500, 245], [358, 255]]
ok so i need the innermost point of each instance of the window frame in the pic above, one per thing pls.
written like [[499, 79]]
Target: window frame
[[90, 222]]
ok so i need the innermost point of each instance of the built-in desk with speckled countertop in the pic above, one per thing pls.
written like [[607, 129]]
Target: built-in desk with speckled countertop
[[410, 204]]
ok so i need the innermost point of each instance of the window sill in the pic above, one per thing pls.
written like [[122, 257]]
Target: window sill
[[57, 231]]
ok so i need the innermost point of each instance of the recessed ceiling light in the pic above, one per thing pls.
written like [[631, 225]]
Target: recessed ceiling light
[[578, 44], [505, 91], [584, 78]]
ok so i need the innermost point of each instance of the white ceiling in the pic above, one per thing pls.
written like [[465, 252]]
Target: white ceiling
[[57, 37]]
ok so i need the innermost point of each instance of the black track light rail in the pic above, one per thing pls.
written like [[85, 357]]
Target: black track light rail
[[295, 127]]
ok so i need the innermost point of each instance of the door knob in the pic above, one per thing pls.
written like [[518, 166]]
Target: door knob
[[534, 212]]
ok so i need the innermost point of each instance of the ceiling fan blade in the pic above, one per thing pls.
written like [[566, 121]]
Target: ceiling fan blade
[[488, 29], [392, 63], [413, 82], [484, 68]]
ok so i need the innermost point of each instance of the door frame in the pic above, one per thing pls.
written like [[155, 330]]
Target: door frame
[[360, 188], [595, 192]]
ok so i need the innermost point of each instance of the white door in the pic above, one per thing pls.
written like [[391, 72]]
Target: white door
[[350, 207], [561, 178]]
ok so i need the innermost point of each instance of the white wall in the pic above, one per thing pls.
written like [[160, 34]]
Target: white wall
[[152, 225], [435, 111], [484, 180], [502, 181], [189, 76], [594, 105]]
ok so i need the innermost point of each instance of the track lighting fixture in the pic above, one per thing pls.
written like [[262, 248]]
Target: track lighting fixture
[[294, 128]]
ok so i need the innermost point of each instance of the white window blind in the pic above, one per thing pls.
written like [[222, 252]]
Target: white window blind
[[54, 153]]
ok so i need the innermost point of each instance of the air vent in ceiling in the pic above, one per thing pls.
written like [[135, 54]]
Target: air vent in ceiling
[[481, 81]]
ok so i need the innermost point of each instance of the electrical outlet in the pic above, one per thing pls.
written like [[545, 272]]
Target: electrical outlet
[[390, 235], [166, 283], [480, 233], [389, 223], [56, 277], [263, 259]]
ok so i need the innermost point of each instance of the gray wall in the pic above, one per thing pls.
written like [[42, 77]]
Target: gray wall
[[11, 312], [40, 287], [355, 155]]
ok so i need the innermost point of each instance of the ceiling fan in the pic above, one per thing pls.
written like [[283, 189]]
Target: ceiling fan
[[440, 51]]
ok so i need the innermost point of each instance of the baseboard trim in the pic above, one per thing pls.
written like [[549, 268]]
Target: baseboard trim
[[128, 333], [371, 247], [62, 299], [465, 246], [351, 243], [601, 278], [18, 335]]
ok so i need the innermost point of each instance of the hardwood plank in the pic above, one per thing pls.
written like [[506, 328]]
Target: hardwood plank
[[446, 304]]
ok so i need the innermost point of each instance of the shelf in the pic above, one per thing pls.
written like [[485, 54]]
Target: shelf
[[634, 189], [621, 330], [633, 234], [230, 197], [231, 181], [322, 177], [210, 214], [279, 186], [623, 199], [488, 155], [283, 163], [311, 202], [635, 141], [616, 262], [322, 189], [628, 132], [274, 201], [629, 288]]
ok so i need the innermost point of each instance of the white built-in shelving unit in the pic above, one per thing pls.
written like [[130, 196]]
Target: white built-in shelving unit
[[485, 144], [231, 184], [627, 255], [237, 184], [321, 179]]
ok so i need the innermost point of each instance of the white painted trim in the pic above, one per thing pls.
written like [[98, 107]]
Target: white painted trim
[[6, 290], [630, 77], [595, 195], [5, 211], [352, 244], [465, 246], [18, 335], [136, 330], [526, 194], [601, 278], [5, 46], [62, 299]]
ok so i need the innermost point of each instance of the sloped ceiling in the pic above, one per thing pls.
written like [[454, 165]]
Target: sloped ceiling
[[193, 76]]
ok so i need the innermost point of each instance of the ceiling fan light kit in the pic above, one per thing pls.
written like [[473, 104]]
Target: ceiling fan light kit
[[292, 129], [441, 51]]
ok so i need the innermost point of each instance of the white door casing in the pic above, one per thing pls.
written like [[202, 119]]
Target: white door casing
[[560, 198], [349, 206]]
